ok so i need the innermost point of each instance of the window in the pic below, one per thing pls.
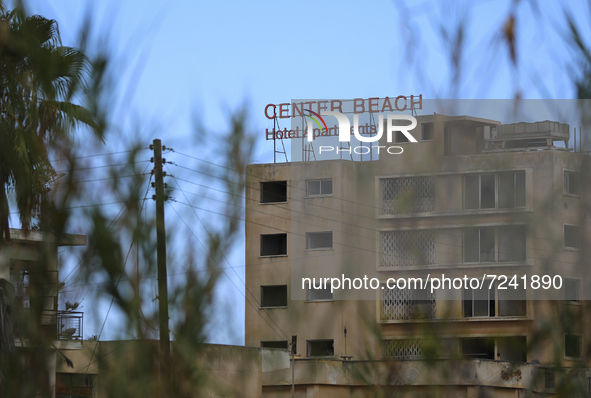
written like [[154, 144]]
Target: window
[[282, 344], [322, 294], [274, 296], [73, 385], [403, 349], [427, 133], [320, 348], [511, 189], [512, 302], [318, 240], [480, 348], [19, 278], [502, 244], [479, 245], [274, 245], [571, 182], [404, 304], [571, 237], [511, 243], [512, 349], [407, 195], [400, 137], [319, 187], [20, 275], [274, 192], [572, 346], [549, 378], [493, 302], [489, 191], [408, 248], [571, 289], [479, 302]]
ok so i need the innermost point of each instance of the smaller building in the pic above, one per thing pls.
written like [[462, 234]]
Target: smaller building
[[30, 263]]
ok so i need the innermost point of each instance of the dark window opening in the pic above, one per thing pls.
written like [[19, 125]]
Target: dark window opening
[[400, 137], [320, 348], [512, 349], [511, 243], [274, 245], [479, 302], [512, 302], [323, 294], [281, 344], [478, 348], [318, 240], [274, 296], [273, 191], [571, 182], [482, 191], [20, 279], [512, 189], [571, 289], [487, 191], [549, 378], [479, 245], [501, 244], [471, 192], [319, 187], [427, 131], [571, 236], [572, 346]]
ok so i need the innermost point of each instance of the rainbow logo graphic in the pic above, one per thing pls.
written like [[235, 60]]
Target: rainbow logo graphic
[[316, 120]]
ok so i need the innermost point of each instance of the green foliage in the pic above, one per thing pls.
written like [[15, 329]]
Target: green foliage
[[42, 87]]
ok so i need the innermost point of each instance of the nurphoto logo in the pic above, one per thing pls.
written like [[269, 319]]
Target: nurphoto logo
[[344, 131]]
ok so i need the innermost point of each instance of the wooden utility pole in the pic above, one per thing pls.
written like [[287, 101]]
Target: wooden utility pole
[[161, 254]]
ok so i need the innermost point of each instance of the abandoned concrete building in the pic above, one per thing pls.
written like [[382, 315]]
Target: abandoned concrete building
[[34, 257], [473, 197]]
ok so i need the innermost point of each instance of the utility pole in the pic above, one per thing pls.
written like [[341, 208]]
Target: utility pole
[[161, 254]]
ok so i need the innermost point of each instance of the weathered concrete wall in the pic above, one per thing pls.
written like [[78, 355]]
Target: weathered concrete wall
[[223, 370]]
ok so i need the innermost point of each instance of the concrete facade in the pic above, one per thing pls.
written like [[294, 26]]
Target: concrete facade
[[415, 214]]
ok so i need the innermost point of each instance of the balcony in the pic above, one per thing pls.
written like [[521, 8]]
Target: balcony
[[70, 325]]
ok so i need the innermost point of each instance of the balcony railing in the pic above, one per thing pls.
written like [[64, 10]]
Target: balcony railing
[[70, 325]]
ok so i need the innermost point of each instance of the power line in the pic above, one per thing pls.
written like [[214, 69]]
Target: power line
[[97, 154], [102, 166], [118, 281], [223, 270], [228, 262], [111, 223]]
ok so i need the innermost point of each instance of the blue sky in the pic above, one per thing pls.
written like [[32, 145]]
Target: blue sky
[[185, 60]]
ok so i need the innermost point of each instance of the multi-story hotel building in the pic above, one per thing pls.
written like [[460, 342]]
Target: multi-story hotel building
[[473, 197]]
